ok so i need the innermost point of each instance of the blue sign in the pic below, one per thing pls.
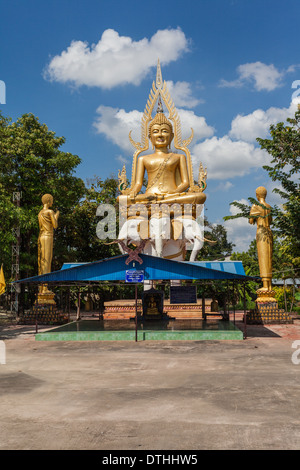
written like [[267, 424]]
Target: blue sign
[[134, 275]]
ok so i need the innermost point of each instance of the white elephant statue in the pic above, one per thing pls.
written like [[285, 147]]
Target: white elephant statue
[[159, 233], [134, 231], [160, 242], [192, 232], [166, 239]]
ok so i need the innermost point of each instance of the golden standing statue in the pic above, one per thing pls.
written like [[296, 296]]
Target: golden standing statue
[[48, 221], [261, 215]]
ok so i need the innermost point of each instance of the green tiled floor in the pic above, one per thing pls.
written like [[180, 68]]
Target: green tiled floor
[[115, 330]]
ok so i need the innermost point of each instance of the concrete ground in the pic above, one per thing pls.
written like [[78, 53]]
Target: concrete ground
[[151, 395]]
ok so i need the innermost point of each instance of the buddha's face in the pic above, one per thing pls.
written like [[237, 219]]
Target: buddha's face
[[161, 135]]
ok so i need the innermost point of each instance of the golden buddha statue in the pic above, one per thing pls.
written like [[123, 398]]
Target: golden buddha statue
[[167, 172], [152, 307], [261, 215], [170, 175], [48, 220]]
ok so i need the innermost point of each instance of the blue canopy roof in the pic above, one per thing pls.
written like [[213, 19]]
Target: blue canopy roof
[[114, 269]]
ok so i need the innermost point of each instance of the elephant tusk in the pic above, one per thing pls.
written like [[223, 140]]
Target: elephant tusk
[[211, 242], [115, 241]]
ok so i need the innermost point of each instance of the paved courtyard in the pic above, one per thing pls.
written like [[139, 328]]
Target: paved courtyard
[[169, 395]]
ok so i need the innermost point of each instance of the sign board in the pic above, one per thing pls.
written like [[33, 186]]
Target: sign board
[[183, 295], [134, 275]]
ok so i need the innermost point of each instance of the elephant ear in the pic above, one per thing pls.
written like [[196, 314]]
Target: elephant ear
[[176, 229], [143, 229]]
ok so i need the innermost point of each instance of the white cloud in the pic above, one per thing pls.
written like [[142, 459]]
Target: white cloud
[[257, 124], [262, 76], [115, 60], [116, 124], [226, 159], [123, 160], [182, 94], [223, 186], [189, 120]]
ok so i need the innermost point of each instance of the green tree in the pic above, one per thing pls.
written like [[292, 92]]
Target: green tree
[[220, 250], [284, 148], [31, 161], [82, 232]]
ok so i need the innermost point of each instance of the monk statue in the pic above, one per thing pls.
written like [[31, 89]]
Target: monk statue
[[261, 215], [48, 221]]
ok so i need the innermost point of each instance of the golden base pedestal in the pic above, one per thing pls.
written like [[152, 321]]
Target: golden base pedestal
[[265, 296], [45, 298], [267, 311]]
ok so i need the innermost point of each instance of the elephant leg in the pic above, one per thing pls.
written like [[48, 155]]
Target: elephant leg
[[196, 248]]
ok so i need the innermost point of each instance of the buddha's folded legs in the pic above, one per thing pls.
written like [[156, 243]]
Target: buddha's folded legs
[[183, 198]]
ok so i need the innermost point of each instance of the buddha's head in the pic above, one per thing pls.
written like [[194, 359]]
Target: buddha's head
[[261, 192], [47, 199], [160, 131]]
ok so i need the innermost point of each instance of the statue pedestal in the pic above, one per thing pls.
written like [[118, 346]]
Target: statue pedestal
[[45, 298], [265, 296], [267, 311]]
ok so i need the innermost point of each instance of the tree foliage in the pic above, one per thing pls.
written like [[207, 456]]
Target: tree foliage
[[84, 243], [32, 162], [220, 250], [284, 148]]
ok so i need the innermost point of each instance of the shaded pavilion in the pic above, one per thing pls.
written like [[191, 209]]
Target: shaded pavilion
[[115, 270]]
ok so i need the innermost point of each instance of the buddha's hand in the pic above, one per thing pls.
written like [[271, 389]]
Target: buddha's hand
[[151, 197], [132, 195], [57, 214]]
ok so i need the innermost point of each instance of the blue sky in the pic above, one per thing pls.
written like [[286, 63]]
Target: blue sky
[[85, 68]]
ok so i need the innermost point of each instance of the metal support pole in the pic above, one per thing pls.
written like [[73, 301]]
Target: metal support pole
[[78, 306], [226, 308], [136, 313], [69, 304], [233, 304], [36, 312], [203, 306], [15, 267], [245, 319]]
